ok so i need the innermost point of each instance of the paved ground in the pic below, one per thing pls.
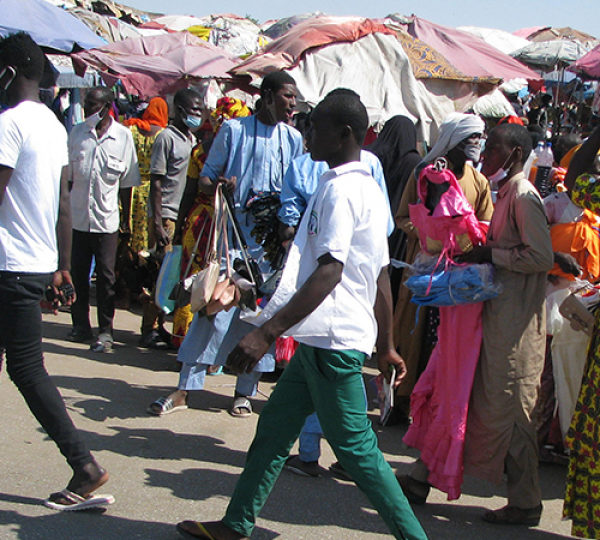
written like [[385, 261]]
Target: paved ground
[[185, 465]]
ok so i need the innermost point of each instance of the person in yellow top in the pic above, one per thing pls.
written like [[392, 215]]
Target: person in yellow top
[[144, 131]]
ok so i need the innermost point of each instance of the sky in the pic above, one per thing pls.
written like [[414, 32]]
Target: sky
[[507, 15]]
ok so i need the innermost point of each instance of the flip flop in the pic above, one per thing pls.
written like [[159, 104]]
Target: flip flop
[[166, 406], [68, 501], [513, 515], [194, 529], [241, 403]]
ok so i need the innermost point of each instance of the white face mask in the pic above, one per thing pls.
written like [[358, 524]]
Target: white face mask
[[502, 172], [93, 120]]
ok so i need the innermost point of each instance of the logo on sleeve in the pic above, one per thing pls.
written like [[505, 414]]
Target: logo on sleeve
[[313, 224]]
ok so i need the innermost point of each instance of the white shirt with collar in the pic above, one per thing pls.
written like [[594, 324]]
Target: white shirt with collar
[[343, 218], [99, 167]]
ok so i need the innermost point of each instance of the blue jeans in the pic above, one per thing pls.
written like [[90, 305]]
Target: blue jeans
[[191, 377]]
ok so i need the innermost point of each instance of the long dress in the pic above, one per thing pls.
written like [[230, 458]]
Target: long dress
[[409, 324], [582, 494], [141, 193]]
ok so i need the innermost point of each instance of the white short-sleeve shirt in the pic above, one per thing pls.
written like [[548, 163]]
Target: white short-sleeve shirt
[[345, 219], [34, 144], [99, 167]]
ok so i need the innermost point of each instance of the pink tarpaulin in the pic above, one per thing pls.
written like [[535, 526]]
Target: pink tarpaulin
[[468, 53], [588, 65], [156, 65], [526, 32], [286, 51]]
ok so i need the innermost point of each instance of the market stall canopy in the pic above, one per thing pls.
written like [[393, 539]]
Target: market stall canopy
[[49, 26], [588, 65], [499, 39], [239, 36], [466, 52], [390, 70], [278, 28], [546, 55], [156, 65], [565, 33], [286, 51]]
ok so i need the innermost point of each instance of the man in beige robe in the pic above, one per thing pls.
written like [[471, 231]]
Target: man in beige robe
[[501, 435]]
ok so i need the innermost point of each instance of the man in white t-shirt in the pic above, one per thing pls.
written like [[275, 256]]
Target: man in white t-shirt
[[336, 304], [34, 209]]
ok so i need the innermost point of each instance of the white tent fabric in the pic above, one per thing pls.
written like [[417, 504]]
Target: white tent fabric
[[501, 40], [377, 68], [493, 105]]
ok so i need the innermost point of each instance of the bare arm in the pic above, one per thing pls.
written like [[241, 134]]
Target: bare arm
[[5, 174], [583, 158], [162, 238], [322, 281], [64, 235], [387, 356], [125, 198], [187, 202]]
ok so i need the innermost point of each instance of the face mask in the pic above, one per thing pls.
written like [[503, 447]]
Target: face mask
[[502, 172], [192, 121], [93, 120], [472, 152]]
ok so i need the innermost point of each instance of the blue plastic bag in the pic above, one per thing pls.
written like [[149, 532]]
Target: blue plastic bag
[[464, 284], [168, 277]]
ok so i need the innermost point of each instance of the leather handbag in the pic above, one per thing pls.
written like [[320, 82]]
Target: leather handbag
[[204, 282]]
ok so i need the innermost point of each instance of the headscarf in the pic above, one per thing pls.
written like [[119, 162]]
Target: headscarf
[[455, 128], [510, 119], [156, 114], [228, 108], [396, 148]]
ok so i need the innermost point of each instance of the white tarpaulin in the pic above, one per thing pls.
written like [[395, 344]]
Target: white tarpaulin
[[377, 68], [501, 40], [493, 105]]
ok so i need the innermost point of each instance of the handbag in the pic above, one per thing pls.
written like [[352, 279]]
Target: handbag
[[578, 314], [169, 274], [225, 294], [204, 282], [182, 292]]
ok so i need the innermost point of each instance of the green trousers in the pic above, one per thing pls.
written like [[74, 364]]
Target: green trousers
[[330, 383]]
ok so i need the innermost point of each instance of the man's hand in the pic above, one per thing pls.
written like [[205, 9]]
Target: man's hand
[[229, 183], [567, 263], [286, 234], [388, 359], [162, 237], [478, 255], [59, 280], [249, 351]]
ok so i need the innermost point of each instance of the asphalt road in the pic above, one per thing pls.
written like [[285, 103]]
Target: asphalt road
[[185, 465]]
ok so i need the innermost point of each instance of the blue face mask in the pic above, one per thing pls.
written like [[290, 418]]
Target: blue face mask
[[192, 121]]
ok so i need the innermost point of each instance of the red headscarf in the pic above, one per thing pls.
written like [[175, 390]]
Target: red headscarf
[[156, 114]]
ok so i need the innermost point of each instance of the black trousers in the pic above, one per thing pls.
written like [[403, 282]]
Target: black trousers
[[21, 335], [102, 246]]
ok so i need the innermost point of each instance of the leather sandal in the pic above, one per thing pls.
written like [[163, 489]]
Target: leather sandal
[[415, 491]]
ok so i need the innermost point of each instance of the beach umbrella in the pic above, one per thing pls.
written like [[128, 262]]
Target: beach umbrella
[[50, 27], [157, 65]]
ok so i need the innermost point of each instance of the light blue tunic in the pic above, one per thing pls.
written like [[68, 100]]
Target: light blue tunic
[[258, 155]]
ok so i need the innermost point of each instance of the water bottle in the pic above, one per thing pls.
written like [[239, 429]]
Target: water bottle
[[544, 167]]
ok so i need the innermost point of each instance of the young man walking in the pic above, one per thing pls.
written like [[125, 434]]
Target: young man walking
[[335, 299]]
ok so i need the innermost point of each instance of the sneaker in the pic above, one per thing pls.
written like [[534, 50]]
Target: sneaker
[[303, 468], [103, 344], [80, 335], [153, 340]]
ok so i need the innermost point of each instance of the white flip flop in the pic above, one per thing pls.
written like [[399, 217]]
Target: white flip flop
[[77, 502]]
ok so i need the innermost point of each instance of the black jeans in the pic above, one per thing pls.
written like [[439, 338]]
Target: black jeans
[[21, 334], [103, 246]]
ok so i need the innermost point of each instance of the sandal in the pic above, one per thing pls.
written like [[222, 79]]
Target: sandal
[[70, 501], [194, 529], [513, 515], [165, 405], [243, 406]]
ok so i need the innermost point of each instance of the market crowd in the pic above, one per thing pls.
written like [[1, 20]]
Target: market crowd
[[317, 224]]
